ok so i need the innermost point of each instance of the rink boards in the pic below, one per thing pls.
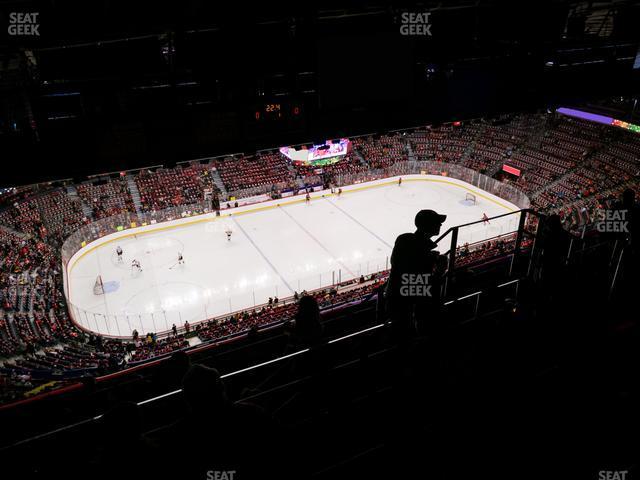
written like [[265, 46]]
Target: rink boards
[[329, 240]]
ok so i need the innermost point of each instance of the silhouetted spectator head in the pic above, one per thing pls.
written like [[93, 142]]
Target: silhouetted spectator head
[[429, 222], [179, 361], [174, 369], [307, 327], [203, 389]]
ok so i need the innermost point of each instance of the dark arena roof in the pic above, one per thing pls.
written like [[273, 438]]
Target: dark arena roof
[[214, 258]]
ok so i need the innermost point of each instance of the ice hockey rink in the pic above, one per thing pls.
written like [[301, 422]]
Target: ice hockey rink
[[276, 248]]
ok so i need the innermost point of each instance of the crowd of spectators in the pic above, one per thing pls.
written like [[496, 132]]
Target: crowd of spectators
[[263, 170], [169, 187], [106, 197], [150, 346], [467, 254], [382, 151]]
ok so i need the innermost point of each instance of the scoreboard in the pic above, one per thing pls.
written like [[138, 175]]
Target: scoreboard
[[275, 117], [274, 111]]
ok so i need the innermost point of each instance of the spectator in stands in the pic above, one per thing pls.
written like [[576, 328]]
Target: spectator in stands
[[217, 434], [204, 391], [413, 290], [120, 430], [307, 330], [170, 373]]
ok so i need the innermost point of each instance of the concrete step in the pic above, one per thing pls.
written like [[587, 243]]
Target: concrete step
[[135, 194], [360, 156], [73, 194], [217, 181]]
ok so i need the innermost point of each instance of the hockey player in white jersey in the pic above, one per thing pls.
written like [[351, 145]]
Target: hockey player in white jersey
[[135, 266]]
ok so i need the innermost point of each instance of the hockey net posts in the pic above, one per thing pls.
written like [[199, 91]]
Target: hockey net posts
[[98, 287]]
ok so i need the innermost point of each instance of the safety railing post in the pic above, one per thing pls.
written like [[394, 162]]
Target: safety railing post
[[519, 237], [452, 259], [615, 274]]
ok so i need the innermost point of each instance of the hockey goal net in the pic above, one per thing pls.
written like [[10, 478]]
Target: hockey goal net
[[98, 287], [470, 198]]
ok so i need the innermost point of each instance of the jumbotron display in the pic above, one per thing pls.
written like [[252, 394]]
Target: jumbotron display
[[327, 153]]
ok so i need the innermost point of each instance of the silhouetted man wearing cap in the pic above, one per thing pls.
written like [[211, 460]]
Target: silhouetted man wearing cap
[[413, 290]]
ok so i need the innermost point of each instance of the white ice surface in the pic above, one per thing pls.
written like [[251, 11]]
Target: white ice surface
[[272, 252]]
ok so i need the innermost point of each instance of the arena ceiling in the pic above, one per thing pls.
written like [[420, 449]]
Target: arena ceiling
[[76, 21], [146, 81]]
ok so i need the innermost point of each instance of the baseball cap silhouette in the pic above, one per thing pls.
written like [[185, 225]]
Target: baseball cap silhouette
[[428, 218]]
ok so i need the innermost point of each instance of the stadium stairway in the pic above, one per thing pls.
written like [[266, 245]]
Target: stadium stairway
[[615, 190], [135, 194], [217, 181], [533, 141], [11, 231], [73, 194], [358, 153], [584, 162], [408, 149], [411, 155], [299, 181], [495, 168], [538, 132], [472, 146]]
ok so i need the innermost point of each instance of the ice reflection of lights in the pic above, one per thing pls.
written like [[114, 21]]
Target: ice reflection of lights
[[192, 297], [171, 302]]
